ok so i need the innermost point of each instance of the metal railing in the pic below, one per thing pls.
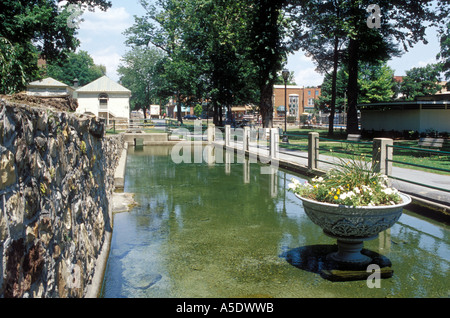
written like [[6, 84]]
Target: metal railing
[[432, 151]]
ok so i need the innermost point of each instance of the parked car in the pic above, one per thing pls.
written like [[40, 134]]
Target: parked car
[[190, 117]]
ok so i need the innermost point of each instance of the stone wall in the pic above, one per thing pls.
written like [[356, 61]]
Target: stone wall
[[56, 182]]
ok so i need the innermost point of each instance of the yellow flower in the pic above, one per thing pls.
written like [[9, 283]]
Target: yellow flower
[[336, 197], [338, 191]]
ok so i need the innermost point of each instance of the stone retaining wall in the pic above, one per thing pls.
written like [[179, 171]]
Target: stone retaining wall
[[56, 182]]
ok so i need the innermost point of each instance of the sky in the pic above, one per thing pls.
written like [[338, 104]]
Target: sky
[[101, 35]]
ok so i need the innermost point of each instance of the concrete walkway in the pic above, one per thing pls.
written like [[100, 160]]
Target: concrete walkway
[[428, 196]]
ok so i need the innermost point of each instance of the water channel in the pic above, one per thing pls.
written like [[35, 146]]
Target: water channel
[[226, 230]]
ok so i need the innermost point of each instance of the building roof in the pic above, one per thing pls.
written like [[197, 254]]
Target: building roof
[[47, 82], [103, 85]]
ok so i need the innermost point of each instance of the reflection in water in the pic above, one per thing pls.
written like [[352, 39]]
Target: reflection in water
[[226, 230]]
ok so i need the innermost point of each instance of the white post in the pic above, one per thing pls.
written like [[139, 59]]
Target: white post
[[246, 139], [274, 143], [211, 133], [381, 154], [313, 150], [227, 135]]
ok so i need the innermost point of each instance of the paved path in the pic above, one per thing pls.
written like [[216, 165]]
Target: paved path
[[440, 199]]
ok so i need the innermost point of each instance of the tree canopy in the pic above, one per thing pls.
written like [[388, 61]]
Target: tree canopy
[[139, 72], [32, 29], [78, 66], [421, 81], [229, 52]]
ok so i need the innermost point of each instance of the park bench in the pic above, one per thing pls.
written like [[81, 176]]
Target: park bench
[[353, 137], [431, 142]]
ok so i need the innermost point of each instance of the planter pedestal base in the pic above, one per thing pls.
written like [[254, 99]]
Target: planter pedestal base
[[349, 250], [349, 253]]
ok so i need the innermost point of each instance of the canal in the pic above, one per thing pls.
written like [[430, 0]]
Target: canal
[[227, 230]]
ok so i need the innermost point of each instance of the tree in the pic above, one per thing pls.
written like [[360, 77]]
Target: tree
[[38, 28], [324, 42], [421, 81], [403, 21], [139, 73], [164, 29], [206, 43], [374, 33], [78, 66], [267, 51], [444, 55], [375, 83]]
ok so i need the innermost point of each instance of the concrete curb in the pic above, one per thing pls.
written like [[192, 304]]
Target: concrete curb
[[95, 287]]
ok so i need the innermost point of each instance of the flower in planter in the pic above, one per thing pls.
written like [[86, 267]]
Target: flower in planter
[[353, 184]]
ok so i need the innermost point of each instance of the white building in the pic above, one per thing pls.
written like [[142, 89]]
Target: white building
[[49, 87], [426, 114], [104, 98]]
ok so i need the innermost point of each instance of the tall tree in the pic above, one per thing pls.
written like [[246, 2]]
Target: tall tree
[[444, 54], [404, 22], [372, 33], [267, 50], [206, 44], [139, 73], [325, 42], [37, 28]]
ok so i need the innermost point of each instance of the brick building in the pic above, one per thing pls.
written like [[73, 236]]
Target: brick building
[[300, 99]]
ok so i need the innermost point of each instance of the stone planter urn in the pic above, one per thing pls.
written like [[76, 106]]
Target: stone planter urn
[[351, 226]]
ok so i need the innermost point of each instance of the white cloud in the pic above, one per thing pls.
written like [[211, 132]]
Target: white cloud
[[308, 77], [110, 58], [101, 35], [304, 70], [114, 20]]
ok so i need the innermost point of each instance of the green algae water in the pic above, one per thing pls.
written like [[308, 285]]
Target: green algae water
[[226, 230]]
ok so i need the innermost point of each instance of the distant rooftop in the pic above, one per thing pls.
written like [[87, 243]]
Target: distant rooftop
[[47, 82], [103, 84]]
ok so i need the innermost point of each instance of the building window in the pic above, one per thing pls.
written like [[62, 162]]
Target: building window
[[317, 93], [293, 105], [309, 92], [311, 102], [103, 101]]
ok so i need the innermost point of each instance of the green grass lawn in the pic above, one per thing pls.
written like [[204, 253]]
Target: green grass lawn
[[338, 147]]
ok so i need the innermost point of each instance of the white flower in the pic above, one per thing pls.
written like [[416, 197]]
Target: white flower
[[317, 179], [389, 191], [357, 191], [346, 195]]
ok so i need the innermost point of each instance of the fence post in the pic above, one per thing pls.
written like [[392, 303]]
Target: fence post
[[211, 133], [246, 139], [313, 150], [227, 135], [381, 155], [274, 143]]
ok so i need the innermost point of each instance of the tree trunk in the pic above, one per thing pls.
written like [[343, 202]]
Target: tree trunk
[[215, 113], [333, 89], [266, 107], [179, 117], [352, 88]]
